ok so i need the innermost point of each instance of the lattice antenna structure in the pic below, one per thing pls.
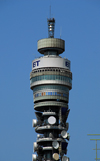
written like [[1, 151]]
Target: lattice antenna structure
[[51, 27]]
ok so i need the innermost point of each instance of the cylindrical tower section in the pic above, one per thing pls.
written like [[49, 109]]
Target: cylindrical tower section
[[51, 80]]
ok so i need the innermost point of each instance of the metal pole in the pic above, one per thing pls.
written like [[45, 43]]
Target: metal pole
[[96, 150]]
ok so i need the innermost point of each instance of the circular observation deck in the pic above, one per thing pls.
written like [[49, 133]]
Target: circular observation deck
[[53, 44]]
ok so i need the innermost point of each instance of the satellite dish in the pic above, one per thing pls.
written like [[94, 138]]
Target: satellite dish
[[38, 136], [51, 120], [35, 146], [55, 156], [34, 157], [55, 144], [64, 158], [64, 134], [34, 123]]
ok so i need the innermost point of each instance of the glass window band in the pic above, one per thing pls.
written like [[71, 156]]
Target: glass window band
[[50, 77]]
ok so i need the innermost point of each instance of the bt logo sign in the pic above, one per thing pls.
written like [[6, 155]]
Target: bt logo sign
[[67, 64], [36, 63]]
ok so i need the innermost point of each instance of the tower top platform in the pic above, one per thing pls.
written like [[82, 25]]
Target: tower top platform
[[51, 44]]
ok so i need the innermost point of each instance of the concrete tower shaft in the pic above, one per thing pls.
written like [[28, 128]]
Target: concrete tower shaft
[[51, 80]]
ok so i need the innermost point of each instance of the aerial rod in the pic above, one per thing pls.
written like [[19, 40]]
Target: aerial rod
[[50, 11], [95, 139], [93, 134]]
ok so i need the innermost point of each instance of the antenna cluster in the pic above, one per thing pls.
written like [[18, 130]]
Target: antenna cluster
[[51, 26], [96, 144]]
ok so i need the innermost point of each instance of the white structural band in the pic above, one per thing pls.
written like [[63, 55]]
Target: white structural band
[[51, 62]]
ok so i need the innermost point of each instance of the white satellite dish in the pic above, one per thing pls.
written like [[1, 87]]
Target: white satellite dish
[[35, 146], [51, 120], [64, 134], [34, 123], [55, 144], [34, 157], [38, 136], [55, 156], [64, 158]]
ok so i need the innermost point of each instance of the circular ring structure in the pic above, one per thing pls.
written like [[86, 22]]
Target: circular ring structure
[[51, 44]]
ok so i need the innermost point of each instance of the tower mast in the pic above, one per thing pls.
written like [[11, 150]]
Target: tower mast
[[51, 80]]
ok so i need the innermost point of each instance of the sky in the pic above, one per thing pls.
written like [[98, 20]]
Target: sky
[[22, 24]]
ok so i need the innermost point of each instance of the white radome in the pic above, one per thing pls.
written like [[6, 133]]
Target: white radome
[[51, 120]]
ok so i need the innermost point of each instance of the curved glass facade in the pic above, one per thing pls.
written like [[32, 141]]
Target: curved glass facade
[[43, 87], [50, 77]]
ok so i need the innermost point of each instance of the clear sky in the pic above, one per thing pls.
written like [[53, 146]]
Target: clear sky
[[22, 23]]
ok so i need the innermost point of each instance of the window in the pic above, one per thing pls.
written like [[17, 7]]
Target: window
[[44, 87]]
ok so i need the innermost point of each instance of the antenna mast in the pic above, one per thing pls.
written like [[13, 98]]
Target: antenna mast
[[96, 144], [50, 11], [51, 26]]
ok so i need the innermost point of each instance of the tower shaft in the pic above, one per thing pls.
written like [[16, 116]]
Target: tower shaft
[[51, 80]]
